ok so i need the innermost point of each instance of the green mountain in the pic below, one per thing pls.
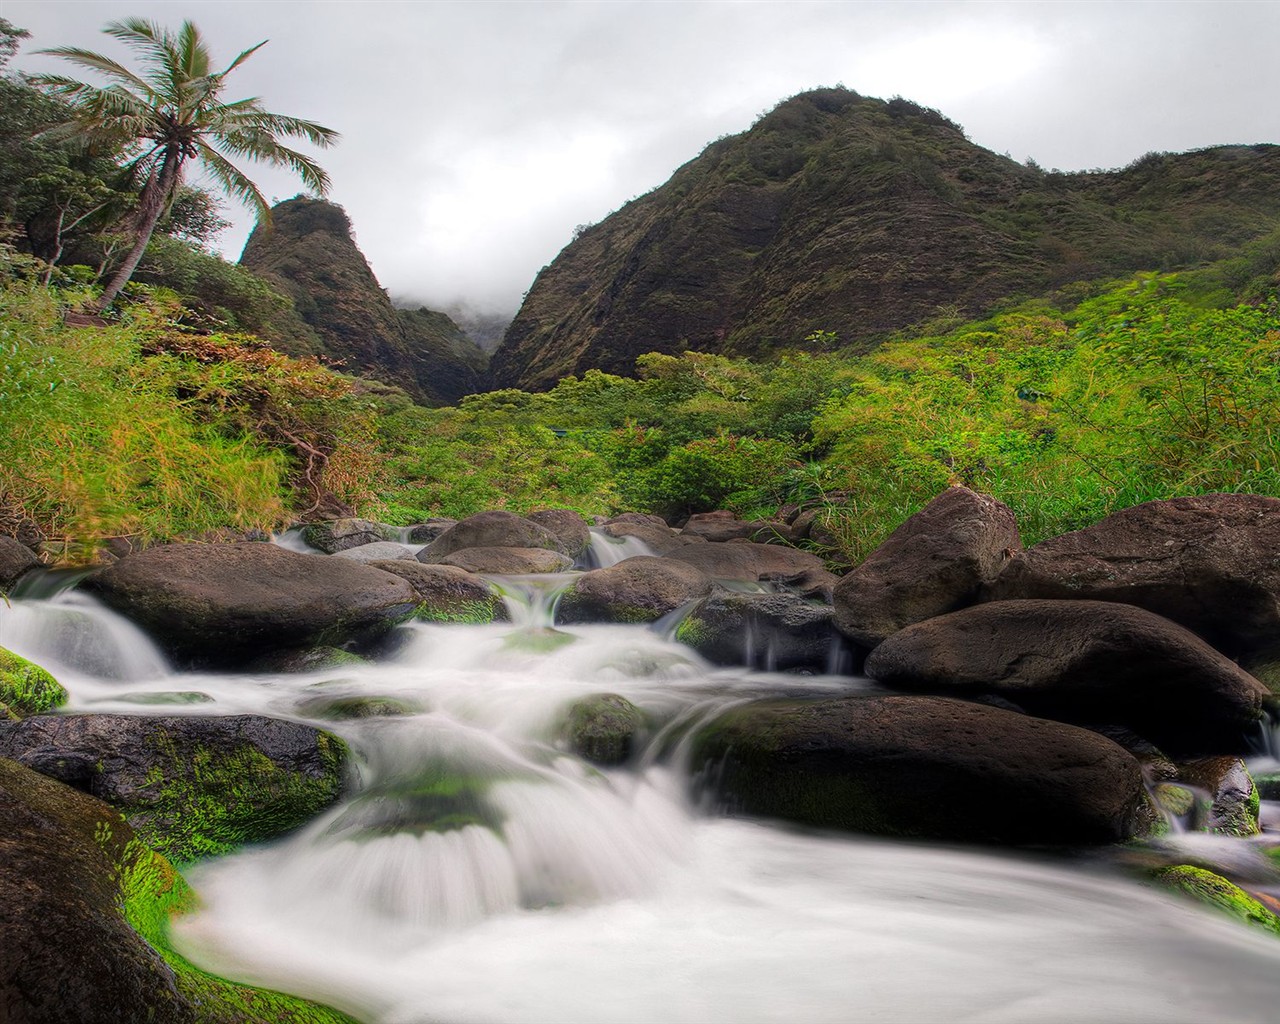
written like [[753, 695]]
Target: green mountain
[[309, 254], [842, 213]]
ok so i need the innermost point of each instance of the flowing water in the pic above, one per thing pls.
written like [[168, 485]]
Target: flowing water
[[562, 892]]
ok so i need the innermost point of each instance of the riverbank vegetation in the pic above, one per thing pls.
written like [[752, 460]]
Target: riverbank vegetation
[[162, 424]]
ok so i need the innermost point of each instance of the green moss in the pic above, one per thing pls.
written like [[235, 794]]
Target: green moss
[[340, 708], [152, 893], [694, 632], [26, 688], [1174, 799], [1215, 891], [213, 801], [439, 800], [538, 641], [604, 728], [474, 613]]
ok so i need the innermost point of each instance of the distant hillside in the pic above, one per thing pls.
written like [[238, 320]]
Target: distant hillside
[[843, 213], [309, 254]]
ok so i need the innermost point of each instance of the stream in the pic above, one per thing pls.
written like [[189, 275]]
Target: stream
[[565, 892]]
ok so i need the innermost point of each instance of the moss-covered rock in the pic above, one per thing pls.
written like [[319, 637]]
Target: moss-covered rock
[[1233, 803], [605, 729], [1215, 891], [190, 786], [638, 589], [344, 534], [316, 659], [439, 798], [84, 911], [339, 708], [776, 632], [26, 688]]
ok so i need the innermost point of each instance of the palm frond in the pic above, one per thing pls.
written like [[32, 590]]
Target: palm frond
[[232, 180], [281, 124], [192, 53], [103, 65], [242, 58], [263, 147], [153, 44]]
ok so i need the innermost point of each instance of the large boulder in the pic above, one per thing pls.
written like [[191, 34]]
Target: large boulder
[[504, 561], [926, 767], [496, 529], [190, 786], [84, 914], [343, 534], [567, 526], [799, 571], [223, 604], [605, 729], [775, 632], [935, 562], [1083, 661], [650, 531], [724, 526], [26, 688], [15, 560], [1211, 563], [446, 593], [639, 589]]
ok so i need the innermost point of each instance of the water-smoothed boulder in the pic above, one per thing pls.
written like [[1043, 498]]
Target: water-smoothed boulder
[[925, 767], [1083, 661], [799, 571], [447, 593], [496, 529], [429, 529], [26, 688], [776, 632], [1210, 563], [639, 589], [724, 526], [567, 526], [224, 604], [190, 786], [935, 562], [651, 531], [508, 561], [343, 534], [16, 560], [1233, 799], [604, 728], [84, 912], [378, 551]]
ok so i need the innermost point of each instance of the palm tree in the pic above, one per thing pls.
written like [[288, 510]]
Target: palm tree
[[170, 113]]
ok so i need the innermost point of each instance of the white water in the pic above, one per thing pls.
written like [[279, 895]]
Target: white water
[[605, 896]]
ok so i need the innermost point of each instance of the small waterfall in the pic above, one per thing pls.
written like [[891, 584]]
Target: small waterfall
[[606, 551]]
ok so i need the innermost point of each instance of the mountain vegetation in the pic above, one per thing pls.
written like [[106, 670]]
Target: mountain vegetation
[[839, 214]]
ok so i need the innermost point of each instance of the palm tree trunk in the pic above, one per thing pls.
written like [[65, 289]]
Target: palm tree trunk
[[157, 190]]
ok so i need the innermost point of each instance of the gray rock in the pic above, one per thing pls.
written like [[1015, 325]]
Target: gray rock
[[341, 534], [567, 526], [775, 632], [378, 551], [798, 571], [496, 529], [447, 593], [15, 560], [503, 561], [1083, 661], [935, 562], [640, 589], [924, 767]]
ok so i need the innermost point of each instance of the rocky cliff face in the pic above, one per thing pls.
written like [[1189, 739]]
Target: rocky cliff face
[[308, 253], [838, 212]]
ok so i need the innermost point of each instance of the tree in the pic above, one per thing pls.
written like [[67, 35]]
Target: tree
[[171, 113]]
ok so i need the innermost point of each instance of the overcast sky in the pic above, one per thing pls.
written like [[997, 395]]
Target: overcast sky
[[476, 135]]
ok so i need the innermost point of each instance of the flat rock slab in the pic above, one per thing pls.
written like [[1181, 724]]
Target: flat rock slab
[[935, 562], [925, 767], [799, 571], [1082, 661], [502, 561], [1210, 563], [639, 589], [190, 786], [224, 604]]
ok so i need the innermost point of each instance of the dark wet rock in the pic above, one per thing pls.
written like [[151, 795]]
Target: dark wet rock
[[640, 589], [636, 518], [447, 593], [342, 534], [84, 912], [776, 632], [224, 604], [190, 786], [925, 767], [605, 729], [568, 527], [16, 559], [935, 562], [1233, 798], [378, 551], [429, 529], [1210, 563], [496, 529], [1214, 891], [798, 571], [657, 536], [508, 561], [316, 659], [26, 688], [1082, 661]]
